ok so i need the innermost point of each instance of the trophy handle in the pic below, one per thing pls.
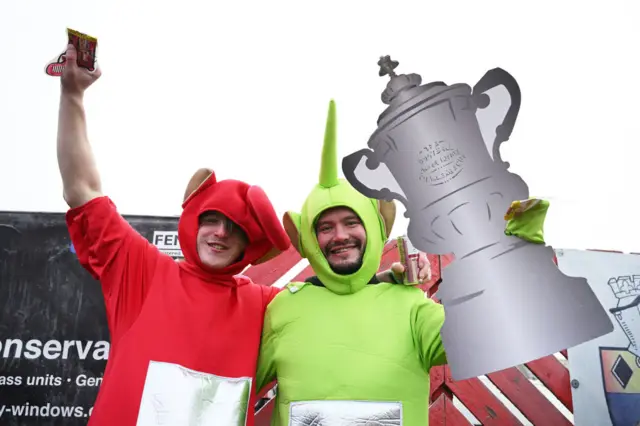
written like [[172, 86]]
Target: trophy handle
[[494, 78], [349, 165]]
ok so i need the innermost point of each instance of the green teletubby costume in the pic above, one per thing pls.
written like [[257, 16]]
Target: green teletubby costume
[[345, 348]]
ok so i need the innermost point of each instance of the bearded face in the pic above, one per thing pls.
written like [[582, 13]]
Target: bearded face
[[342, 239]]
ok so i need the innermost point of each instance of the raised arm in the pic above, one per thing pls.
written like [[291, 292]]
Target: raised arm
[[106, 245], [80, 178]]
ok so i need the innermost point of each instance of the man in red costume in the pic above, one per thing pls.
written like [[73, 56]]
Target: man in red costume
[[184, 335]]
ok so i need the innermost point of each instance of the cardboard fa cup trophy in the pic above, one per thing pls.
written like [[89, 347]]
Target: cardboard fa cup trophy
[[506, 302]]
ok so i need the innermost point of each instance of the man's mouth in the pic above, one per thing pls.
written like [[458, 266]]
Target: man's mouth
[[217, 246], [343, 249]]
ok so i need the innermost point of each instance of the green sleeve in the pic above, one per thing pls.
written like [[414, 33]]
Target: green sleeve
[[266, 370], [427, 318]]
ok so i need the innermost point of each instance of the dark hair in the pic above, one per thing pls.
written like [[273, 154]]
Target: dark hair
[[229, 225]]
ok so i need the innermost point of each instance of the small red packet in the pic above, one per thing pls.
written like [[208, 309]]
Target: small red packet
[[86, 47]]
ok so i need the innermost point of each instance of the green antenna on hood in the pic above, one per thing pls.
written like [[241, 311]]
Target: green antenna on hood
[[329, 165]]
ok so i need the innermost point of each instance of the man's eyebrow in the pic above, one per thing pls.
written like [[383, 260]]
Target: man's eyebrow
[[329, 222]]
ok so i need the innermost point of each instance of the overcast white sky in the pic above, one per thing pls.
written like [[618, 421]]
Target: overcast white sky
[[243, 87]]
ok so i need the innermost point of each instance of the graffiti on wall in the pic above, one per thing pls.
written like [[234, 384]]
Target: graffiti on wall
[[621, 365]]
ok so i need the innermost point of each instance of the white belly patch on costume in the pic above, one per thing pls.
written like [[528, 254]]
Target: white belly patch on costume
[[174, 395], [345, 413]]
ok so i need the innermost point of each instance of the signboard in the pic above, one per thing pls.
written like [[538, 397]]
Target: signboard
[[167, 242], [54, 341], [605, 372]]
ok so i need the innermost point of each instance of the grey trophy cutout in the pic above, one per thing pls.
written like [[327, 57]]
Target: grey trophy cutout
[[506, 302]]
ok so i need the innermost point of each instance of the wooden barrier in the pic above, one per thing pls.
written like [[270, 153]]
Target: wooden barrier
[[538, 393]]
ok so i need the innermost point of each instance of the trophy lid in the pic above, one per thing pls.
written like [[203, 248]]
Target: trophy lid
[[403, 87]]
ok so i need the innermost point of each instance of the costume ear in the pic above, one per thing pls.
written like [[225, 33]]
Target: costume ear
[[291, 222], [387, 210], [199, 177], [263, 212]]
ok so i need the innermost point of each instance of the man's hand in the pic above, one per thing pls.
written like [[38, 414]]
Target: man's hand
[[397, 269], [75, 80]]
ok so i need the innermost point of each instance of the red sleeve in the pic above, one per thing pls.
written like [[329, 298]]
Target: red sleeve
[[270, 292], [116, 255]]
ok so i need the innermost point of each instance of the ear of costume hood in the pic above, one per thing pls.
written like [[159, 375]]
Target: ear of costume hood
[[248, 206], [334, 192], [291, 222], [200, 181], [263, 212]]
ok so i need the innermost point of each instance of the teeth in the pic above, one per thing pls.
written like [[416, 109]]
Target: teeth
[[342, 250], [217, 246]]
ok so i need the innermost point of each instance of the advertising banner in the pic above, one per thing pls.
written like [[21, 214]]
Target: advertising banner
[[54, 341]]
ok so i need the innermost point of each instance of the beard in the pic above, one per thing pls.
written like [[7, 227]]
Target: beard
[[345, 268]]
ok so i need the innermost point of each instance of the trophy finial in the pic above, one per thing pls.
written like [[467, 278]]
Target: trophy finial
[[398, 83], [387, 66]]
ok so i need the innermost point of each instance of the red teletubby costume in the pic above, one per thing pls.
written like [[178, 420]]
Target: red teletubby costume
[[184, 338]]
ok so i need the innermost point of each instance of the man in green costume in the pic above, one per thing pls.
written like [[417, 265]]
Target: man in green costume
[[344, 348]]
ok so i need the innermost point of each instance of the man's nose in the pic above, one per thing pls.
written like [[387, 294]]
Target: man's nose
[[220, 231], [341, 234]]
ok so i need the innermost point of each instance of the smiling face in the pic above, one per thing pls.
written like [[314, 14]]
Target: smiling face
[[220, 242], [342, 239]]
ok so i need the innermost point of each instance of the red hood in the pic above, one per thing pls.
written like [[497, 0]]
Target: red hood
[[246, 205]]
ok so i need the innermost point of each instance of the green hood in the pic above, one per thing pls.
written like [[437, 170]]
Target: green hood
[[333, 192]]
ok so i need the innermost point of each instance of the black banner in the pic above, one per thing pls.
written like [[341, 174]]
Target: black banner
[[54, 341]]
